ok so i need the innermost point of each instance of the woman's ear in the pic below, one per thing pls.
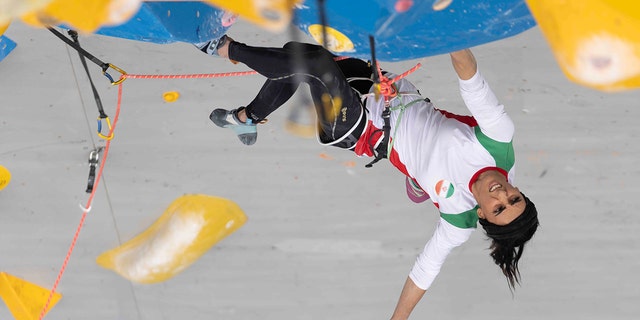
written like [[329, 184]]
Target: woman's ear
[[480, 213]]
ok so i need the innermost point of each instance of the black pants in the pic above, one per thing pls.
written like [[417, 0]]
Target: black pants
[[338, 107]]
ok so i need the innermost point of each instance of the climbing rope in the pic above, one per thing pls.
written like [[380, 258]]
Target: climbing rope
[[105, 152], [187, 76], [386, 86], [86, 208]]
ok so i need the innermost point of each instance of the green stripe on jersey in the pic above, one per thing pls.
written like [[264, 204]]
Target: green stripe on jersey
[[502, 152], [464, 220]]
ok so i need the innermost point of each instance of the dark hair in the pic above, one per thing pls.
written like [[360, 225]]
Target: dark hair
[[508, 241]]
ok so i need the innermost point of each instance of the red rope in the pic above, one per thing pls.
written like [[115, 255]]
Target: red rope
[[85, 211], [386, 85], [104, 160], [201, 75], [188, 76]]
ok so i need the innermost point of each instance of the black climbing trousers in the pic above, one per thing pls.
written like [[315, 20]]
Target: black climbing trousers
[[338, 107]]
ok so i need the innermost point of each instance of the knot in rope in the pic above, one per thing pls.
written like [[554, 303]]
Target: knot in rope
[[386, 87]]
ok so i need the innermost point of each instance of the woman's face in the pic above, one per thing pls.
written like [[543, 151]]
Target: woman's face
[[499, 202]]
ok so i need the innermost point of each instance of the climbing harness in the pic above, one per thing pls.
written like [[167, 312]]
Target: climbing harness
[[386, 88], [384, 148], [402, 108]]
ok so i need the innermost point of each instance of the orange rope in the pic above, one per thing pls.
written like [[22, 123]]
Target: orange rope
[[86, 210], [188, 76], [87, 207], [202, 75], [386, 85]]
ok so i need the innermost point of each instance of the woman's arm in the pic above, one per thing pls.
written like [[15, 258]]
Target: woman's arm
[[428, 264], [479, 99], [409, 297], [464, 63]]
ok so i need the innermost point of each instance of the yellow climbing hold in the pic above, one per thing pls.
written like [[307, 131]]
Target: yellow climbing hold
[[189, 227], [5, 177], [596, 42], [3, 27], [83, 15], [273, 15], [25, 300], [336, 40], [10, 9], [170, 96]]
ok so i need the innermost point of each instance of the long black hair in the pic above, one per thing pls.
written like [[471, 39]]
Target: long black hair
[[508, 241]]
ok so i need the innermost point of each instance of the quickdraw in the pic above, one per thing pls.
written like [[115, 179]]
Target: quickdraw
[[83, 54]]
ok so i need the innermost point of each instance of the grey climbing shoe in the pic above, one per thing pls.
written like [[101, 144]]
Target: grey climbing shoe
[[247, 132]]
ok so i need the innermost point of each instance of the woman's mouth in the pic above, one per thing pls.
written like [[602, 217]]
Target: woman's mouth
[[494, 186]]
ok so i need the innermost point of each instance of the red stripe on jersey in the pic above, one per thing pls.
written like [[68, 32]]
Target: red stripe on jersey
[[475, 176], [367, 140], [468, 120], [394, 158]]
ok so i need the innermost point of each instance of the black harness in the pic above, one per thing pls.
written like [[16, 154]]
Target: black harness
[[382, 150]]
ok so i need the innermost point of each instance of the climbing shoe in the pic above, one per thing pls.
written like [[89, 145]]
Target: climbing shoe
[[247, 132], [211, 47]]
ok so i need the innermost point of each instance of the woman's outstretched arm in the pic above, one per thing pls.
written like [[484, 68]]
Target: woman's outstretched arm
[[464, 63], [409, 297]]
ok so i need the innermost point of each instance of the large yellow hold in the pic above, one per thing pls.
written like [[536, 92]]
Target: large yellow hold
[[83, 15], [89, 15], [189, 227], [10, 9], [272, 15], [596, 42], [24, 299]]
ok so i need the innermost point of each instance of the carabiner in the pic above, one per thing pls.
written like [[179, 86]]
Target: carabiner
[[94, 156], [123, 74], [94, 159], [109, 137]]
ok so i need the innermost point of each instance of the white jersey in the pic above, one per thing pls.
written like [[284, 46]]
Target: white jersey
[[444, 153]]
